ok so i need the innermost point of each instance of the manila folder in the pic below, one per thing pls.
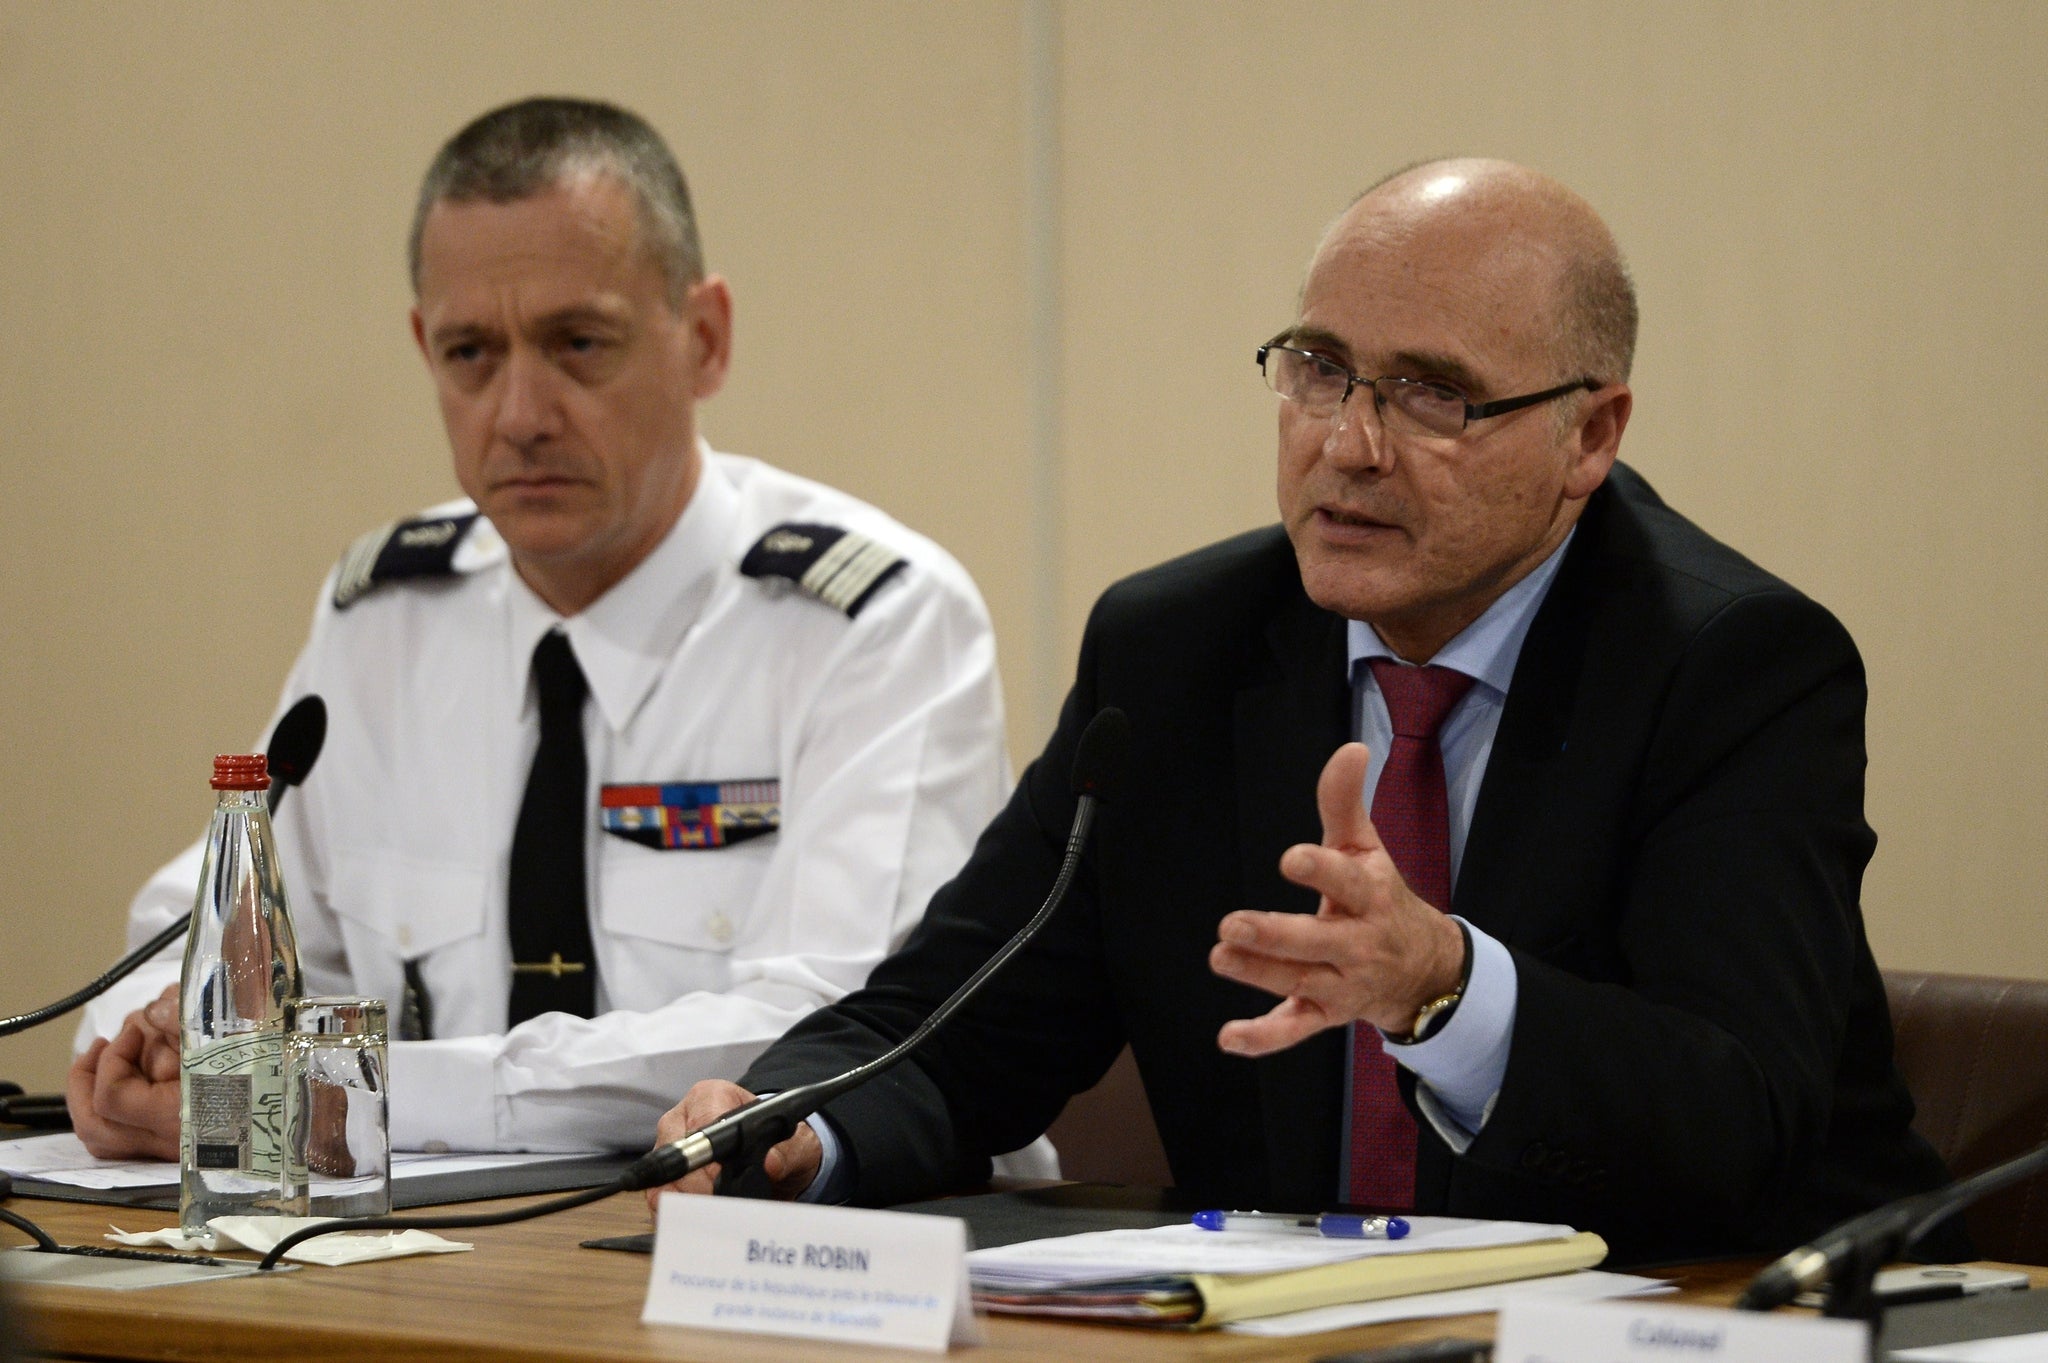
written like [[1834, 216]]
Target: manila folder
[[1242, 1296]]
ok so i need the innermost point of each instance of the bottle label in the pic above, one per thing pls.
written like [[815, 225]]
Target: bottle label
[[236, 1095]]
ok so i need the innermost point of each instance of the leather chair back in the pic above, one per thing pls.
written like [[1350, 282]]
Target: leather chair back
[[1106, 1135], [1974, 1051]]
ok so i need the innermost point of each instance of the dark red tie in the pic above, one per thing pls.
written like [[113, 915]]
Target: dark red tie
[[1412, 813]]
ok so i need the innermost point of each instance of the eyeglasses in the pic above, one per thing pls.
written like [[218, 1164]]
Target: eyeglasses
[[1322, 385]]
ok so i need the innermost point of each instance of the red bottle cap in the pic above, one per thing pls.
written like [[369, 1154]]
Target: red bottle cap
[[241, 771]]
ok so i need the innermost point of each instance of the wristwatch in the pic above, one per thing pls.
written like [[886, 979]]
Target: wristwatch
[[1431, 1017]]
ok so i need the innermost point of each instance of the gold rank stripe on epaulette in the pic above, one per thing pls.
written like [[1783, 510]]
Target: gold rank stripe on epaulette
[[835, 565], [421, 547]]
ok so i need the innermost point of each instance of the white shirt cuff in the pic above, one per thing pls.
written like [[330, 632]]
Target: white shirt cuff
[[442, 1094], [1461, 1068]]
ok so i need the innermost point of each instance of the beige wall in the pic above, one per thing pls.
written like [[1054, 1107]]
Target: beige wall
[[1835, 212]]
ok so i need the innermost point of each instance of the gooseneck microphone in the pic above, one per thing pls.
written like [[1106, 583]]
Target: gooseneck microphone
[[294, 746], [741, 1137], [746, 1133], [1846, 1258]]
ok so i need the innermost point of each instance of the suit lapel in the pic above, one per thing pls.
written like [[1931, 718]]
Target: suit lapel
[[1289, 720], [1517, 799]]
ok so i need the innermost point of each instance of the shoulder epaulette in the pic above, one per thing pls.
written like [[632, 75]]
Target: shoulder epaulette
[[404, 549], [835, 565]]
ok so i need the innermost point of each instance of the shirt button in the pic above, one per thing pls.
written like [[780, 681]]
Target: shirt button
[[405, 935], [721, 928]]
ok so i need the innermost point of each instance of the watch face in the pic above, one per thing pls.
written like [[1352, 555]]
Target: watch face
[[1433, 1015]]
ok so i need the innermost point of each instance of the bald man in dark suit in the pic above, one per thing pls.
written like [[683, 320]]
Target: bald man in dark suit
[[1571, 935]]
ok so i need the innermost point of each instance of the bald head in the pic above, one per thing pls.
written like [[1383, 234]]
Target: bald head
[[1508, 220], [1456, 283]]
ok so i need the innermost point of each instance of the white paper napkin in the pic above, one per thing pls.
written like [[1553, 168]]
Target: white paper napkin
[[260, 1233]]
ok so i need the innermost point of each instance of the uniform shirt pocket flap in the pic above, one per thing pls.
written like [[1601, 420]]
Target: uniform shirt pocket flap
[[696, 902], [419, 905]]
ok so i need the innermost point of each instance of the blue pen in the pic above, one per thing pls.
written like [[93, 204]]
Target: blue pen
[[1332, 1224]]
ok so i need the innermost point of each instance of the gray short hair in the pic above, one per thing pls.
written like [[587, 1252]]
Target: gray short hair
[[526, 148], [1597, 318]]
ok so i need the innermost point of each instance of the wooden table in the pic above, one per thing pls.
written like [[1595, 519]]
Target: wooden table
[[529, 1293]]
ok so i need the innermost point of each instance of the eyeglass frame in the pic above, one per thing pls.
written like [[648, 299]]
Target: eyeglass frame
[[1474, 411]]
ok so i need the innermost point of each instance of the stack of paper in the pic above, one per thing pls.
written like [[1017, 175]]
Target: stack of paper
[[1179, 1275], [64, 1159]]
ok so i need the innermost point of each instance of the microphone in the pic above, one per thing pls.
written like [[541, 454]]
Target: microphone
[[741, 1137], [1812, 1266], [1846, 1257], [294, 746]]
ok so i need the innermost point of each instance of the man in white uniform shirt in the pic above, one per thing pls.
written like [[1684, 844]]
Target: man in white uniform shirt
[[783, 703]]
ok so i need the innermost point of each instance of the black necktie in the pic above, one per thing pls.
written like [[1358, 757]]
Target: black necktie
[[553, 967]]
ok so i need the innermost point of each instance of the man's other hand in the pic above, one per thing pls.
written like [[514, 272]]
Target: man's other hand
[[123, 1092], [790, 1166], [1374, 951]]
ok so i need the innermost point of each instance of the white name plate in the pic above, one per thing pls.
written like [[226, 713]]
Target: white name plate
[[789, 1268], [1622, 1332]]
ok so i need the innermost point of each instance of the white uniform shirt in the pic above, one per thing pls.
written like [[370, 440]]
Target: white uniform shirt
[[885, 732]]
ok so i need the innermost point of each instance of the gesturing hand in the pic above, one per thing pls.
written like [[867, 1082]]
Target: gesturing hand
[[1374, 951]]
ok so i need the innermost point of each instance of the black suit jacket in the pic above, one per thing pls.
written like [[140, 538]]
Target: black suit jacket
[[1669, 837]]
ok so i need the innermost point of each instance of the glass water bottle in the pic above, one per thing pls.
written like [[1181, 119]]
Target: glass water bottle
[[241, 965]]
